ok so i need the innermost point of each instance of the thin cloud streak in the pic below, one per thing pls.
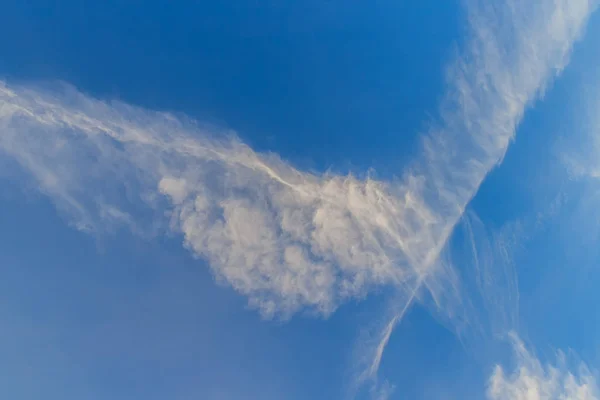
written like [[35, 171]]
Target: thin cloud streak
[[322, 239], [286, 239], [514, 51]]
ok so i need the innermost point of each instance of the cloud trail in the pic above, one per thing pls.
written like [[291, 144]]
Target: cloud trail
[[515, 49], [287, 239], [532, 380], [564, 377]]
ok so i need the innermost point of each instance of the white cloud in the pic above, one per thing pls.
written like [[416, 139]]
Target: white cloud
[[287, 239], [515, 49], [533, 380], [174, 188]]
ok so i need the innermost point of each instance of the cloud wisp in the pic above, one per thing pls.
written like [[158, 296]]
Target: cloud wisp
[[288, 240], [563, 377], [514, 51], [487, 308], [533, 380], [291, 240]]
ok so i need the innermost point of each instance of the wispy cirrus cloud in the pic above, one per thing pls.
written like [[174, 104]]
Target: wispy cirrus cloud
[[514, 50], [533, 380], [287, 239]]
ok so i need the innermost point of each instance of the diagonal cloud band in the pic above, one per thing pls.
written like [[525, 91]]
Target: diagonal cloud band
[[287, 239], [514, 51]]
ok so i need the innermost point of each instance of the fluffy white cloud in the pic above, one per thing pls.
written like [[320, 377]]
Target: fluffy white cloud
[[288, 239], [532, 380], [284, 238]]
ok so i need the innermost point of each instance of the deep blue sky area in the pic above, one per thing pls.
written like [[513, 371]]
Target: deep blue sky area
[[326, 84]]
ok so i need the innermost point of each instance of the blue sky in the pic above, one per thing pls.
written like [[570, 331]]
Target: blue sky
[[324, 200]]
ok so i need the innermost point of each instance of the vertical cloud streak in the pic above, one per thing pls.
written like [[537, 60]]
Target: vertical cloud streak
[[514, 51]]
